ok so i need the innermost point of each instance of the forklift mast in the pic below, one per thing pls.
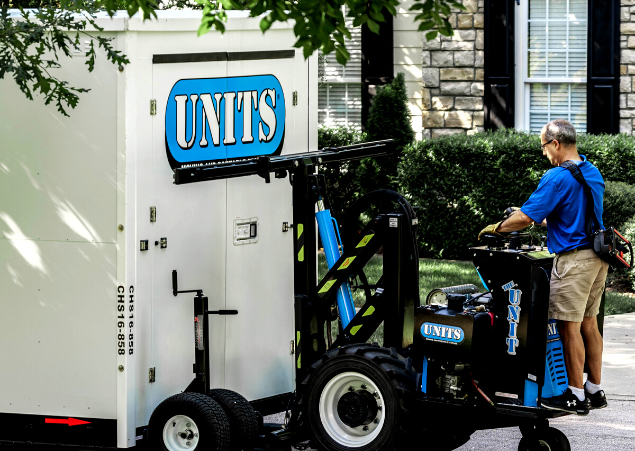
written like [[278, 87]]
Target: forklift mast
[[396, 294]]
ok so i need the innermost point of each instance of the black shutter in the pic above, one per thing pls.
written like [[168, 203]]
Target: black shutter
[[603, 83], [377, 61], [499, 63]]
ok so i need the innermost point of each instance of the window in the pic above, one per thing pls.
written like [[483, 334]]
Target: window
[[340, 87], [551, 40]]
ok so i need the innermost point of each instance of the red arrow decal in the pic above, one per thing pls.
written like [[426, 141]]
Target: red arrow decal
[[67, 421]]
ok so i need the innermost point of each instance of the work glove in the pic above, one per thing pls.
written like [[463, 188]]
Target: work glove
[[491, 230], [509, 211]]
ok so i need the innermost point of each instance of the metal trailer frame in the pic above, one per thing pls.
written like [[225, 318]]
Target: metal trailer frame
[[312, 297]]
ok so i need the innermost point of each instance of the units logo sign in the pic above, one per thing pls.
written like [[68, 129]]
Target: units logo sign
[[211, 120], [442, 333], [513, 316]]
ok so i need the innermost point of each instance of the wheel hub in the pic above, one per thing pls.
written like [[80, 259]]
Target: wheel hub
[[352, 409], [357, 408], [180, 433]]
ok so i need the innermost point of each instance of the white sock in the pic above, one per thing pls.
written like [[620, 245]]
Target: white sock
[[592, 388], [578, 392]]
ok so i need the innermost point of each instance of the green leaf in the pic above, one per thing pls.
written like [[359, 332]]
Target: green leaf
[[431, 35], [266, 23], [359, 20], [373, 26], [341, 54], [423, 26]]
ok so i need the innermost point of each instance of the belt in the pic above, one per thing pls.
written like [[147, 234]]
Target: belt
[[583, 247]]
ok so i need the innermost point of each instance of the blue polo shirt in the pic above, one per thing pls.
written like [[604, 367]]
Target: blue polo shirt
[[561, 199]]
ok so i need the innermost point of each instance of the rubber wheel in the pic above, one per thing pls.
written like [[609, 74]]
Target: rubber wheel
[[356, 381], [189, 421], [549, 439], [243, 420]]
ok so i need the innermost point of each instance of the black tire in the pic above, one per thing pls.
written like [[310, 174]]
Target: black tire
[[243, 420], [549, 439], [378, 375], [208, 430]]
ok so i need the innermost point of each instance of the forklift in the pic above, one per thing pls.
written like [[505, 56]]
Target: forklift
[[461, 361]]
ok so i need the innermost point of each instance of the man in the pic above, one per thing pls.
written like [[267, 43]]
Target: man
[[578, 274]]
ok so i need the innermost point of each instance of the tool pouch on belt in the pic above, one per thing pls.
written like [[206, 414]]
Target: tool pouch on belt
[[609, 244]]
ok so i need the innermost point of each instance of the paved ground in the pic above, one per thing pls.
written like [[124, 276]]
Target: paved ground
[[610, 429]]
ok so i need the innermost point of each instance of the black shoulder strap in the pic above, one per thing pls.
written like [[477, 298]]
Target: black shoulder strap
[[590, 205]]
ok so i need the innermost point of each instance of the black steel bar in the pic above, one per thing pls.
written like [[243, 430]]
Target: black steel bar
[[282, 162]]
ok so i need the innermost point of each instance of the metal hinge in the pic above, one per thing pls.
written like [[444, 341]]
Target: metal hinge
[[295, 98], [292, 347], [153, 107], [153, 214], [151, 374]]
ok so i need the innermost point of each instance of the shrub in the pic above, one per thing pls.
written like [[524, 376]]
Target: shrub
[[341, 178], [613, 155], [619, 204], [462, 183], [388, 118]]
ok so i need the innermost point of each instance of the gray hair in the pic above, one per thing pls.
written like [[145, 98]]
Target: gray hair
[[561, 130]]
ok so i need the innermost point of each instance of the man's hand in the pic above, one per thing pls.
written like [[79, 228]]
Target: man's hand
[[491, 230]]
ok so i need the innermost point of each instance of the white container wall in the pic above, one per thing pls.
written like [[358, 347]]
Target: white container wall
[[86, 312]]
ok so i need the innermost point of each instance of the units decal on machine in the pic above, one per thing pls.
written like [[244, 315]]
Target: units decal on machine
[[513, 316], [212, 120], [442, 333]]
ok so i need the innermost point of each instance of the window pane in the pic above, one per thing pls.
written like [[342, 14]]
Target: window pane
[[537, 121], [557, 33], [577, 64], [549, 101], [537, 64], [557, 37], [577, 9], [539, 96], [557, 65], [340, 104], [538, 9], [557, 9], [537, 35], [557, 50], [577, 35]]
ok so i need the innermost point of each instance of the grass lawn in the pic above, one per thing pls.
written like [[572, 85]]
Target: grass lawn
[[445, 273]]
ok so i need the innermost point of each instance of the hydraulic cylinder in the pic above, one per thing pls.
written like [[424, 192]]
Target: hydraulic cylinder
[[327, 225]]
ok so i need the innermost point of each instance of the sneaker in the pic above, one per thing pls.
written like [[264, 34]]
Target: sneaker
[[567, 402], [597, 399]]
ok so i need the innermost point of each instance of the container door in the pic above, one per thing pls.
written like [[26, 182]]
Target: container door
[[259, 362], [190, 222]]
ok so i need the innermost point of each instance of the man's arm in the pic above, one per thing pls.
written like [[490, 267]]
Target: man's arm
[[517, 221]]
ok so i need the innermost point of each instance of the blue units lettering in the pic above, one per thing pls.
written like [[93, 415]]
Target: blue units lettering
[[513, 316], [513, 313], [442, 333], [217, 119], [512, 343]]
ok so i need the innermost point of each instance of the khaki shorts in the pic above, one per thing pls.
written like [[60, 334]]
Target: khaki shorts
[[577, 284]]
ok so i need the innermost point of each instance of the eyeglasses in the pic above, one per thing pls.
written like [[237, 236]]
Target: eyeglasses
[[542, 146]]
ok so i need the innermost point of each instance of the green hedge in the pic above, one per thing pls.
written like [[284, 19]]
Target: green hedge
[[619, 204], [462, 183], [341, 178]]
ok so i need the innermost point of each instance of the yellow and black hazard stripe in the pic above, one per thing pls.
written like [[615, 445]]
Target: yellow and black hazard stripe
[[300, 239]]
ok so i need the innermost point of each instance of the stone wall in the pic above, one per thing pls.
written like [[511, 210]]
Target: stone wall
[[407, 59], [627, 66], [452, 73]]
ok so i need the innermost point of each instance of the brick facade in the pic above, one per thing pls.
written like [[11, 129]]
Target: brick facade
[[627, 66], [452, 73]]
